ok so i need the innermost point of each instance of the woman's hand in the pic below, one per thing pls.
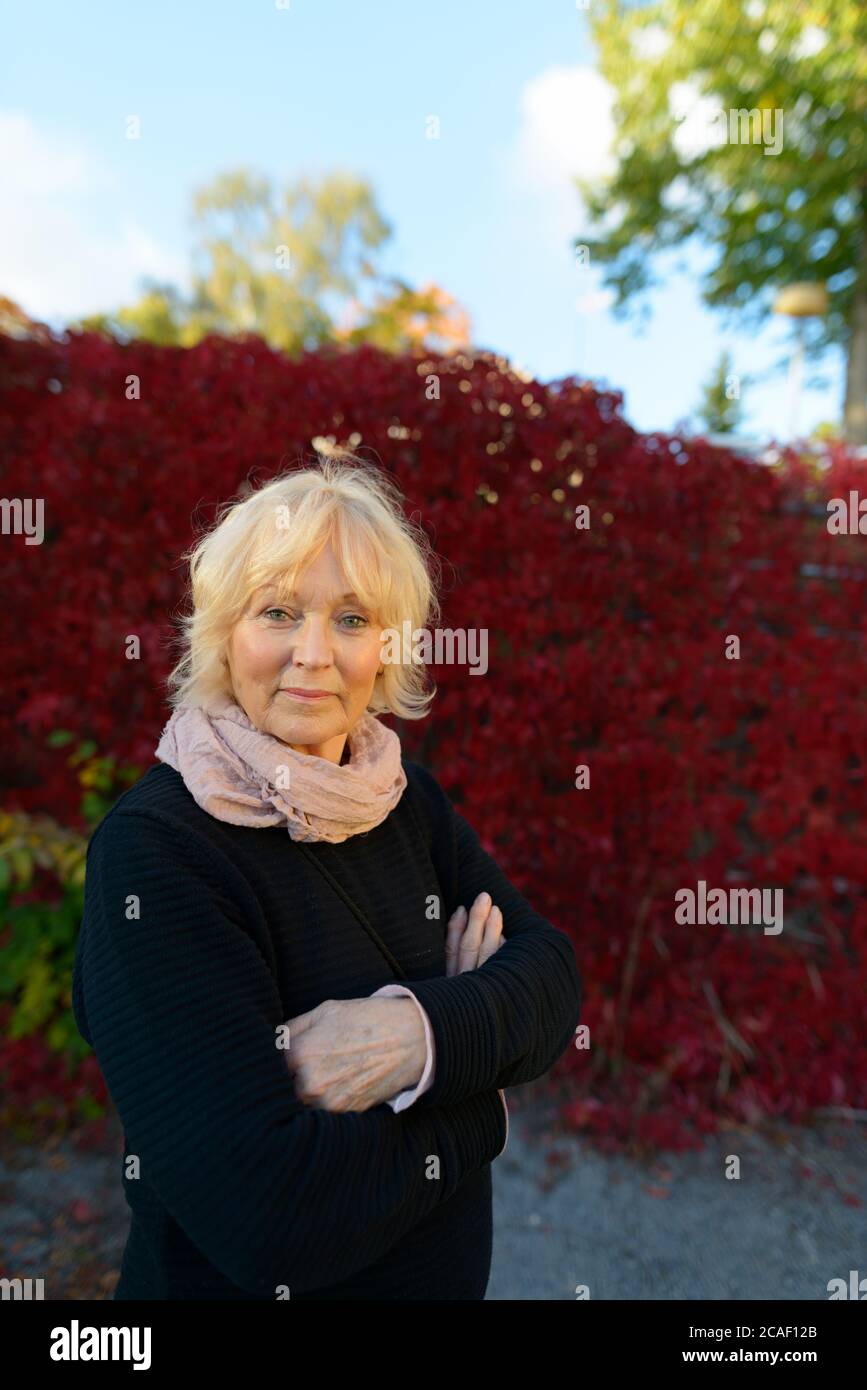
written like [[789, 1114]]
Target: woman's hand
[[352, 1054], [471, 941]]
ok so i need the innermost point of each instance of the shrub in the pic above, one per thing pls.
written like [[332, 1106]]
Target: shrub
[[607, 649]]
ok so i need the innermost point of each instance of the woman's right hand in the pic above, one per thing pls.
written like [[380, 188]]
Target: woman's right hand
[[470, 941]]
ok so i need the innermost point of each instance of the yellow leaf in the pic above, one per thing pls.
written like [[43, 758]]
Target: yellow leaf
[[22, 865]]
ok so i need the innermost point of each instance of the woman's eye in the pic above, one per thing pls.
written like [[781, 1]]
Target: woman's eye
[[282, 611]]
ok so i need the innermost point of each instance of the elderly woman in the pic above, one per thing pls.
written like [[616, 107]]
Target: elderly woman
[[297, 1123]]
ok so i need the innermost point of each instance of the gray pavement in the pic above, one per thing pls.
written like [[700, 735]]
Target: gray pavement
[[676, 1227]]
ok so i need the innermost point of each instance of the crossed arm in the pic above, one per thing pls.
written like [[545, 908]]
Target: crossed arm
[[501, 1024], [181, 1008], [173, 992], [356, 1053]]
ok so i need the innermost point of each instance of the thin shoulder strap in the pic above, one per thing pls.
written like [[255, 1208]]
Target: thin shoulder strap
[[354, 908], [419, 813]]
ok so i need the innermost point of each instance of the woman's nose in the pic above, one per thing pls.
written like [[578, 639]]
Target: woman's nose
[[312, 643]]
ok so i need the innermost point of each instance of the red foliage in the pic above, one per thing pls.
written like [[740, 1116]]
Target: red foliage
[[606, 647]]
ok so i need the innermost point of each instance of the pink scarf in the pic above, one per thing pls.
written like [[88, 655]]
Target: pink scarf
[[241, 775]]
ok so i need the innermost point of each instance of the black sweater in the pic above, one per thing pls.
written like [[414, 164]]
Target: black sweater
[[243, 1192]]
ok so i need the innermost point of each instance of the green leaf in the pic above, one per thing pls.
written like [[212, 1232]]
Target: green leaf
[[93, 806], [23, 866], [90, 1108], [57, 1035], [59, 738]]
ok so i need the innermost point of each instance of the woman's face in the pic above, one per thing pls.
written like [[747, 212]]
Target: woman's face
[[324, 641]]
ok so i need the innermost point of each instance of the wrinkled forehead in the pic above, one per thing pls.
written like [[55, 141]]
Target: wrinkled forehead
[[282, 588]]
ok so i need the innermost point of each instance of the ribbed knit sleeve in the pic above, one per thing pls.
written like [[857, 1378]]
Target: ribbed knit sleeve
[[172, 987], [510, 1020]]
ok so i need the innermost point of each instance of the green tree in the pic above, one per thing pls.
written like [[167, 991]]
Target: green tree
[[721, 409], [744, 124], [286, 268]]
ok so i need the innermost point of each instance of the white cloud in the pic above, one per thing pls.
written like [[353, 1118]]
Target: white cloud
[[566, 127], [60, 255], [36, 165], [594, 301], [566, 131]]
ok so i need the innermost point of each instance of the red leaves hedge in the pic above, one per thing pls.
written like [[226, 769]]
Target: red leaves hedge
[[606, 648]]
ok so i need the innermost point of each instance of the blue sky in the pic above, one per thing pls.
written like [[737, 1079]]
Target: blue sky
[[486, 211]]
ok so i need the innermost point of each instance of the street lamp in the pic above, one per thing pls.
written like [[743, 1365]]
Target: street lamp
[[806, 299]]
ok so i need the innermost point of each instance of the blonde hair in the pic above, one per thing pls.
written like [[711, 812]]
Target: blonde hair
[[272, 534]]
